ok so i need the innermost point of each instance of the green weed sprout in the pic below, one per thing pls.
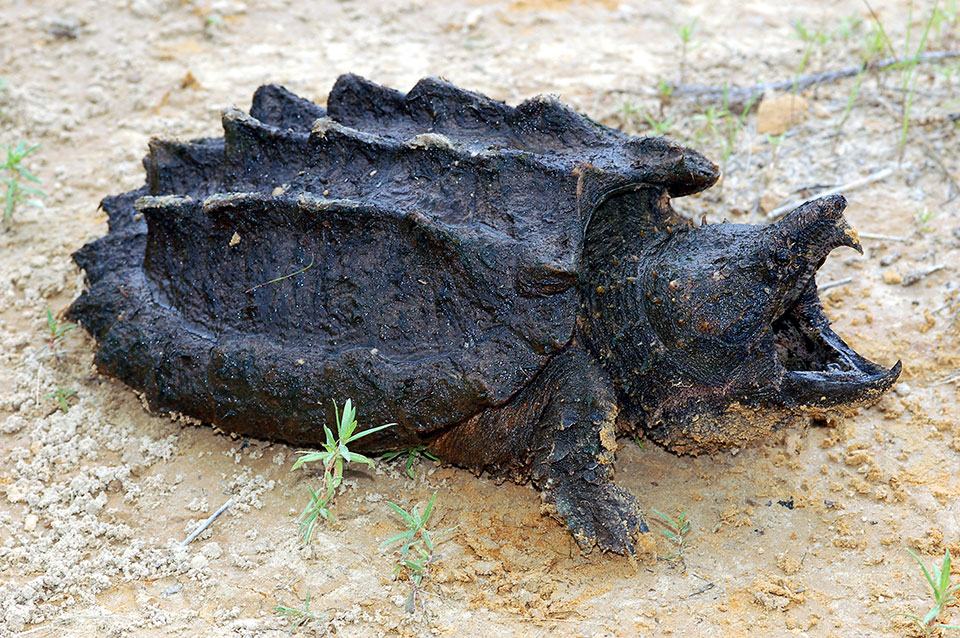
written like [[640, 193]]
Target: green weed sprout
[[732, 125], [61, 396], [660, 127], [685, 31], [924, 216], [943, 594], [909, 77], [56, 329], [412, 455], [417, 546], [726, 126], [14, 174], [677, 532], [873, 45], [301, 616], [333, 456], [775, 141], [664, 90]]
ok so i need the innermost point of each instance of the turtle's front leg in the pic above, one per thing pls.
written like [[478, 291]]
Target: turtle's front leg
[[573, 454]]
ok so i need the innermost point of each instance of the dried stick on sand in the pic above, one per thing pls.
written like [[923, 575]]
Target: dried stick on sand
[[736, 94], [849, 186], [205, 524]]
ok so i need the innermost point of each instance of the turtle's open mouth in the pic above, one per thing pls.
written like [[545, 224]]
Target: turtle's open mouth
[[819, 368]]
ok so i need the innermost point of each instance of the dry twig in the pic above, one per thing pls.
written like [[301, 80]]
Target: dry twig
[[744, 94], [834, 284], [205, 524], [849, 186]]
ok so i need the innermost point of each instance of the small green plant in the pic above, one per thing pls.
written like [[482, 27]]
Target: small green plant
[[813, 40], [677, 531], [417, 547], [775, 141], [685, 31], [413, 454], [300, 616], [660, 127], [725, 125], [15, 172], [334, 454], [943, 594], [908, 83], [944, 16], [56, 329], [873, 45], [801, 32], [61, 396], [924, 216], [212, 22], [910, 75], [664, 90], [640, 442], [847, 26]]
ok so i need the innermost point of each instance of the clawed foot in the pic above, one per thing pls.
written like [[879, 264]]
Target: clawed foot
[[604, 516]]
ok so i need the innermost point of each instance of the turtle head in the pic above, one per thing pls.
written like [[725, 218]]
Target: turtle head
[[738, 331]]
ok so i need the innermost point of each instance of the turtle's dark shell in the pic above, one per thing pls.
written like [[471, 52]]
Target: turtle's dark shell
[[436, 236]]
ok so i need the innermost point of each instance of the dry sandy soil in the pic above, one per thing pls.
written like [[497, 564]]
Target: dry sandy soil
[[803, 534]]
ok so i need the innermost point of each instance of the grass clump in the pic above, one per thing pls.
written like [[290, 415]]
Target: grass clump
[[685, 31], [417, 547], [333, 455], [13, 174], [677, 531], [300, 616], [412, 454], [908, 78], [61, 396], [55, 329], [725, 125], [943, 594]]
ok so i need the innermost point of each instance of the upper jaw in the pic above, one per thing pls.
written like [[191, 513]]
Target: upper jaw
[[798, 244], [818, 367]]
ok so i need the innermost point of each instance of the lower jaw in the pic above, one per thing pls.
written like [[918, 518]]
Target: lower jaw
[[736, 425]]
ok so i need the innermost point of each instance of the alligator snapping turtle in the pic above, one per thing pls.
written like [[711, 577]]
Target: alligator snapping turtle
[[509, 285]]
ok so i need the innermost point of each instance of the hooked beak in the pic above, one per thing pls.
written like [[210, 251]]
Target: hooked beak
[[819, 367]]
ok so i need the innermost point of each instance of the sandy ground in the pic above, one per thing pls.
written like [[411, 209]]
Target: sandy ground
[[804, 534]]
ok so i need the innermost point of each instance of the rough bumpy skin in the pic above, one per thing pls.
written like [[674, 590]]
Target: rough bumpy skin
[[509, 285]]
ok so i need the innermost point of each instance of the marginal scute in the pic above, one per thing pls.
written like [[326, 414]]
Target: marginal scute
[[276, 106]]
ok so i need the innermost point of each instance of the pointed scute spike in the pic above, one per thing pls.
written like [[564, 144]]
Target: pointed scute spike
[[359, 103], [276, 106], [258, 155], [550, 123], [450, 107], [189, 168]]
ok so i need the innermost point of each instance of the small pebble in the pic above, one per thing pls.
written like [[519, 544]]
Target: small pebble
[[30, 522], [892, 277]]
